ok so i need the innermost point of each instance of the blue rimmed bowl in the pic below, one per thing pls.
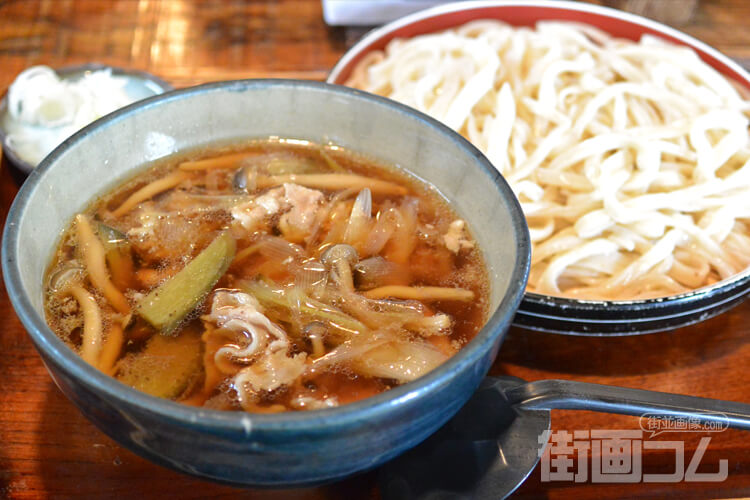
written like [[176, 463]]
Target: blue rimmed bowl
[[289, 449]]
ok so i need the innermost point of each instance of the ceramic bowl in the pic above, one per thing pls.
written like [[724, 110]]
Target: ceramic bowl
[[139, 85], [556, 314], [288, 449]]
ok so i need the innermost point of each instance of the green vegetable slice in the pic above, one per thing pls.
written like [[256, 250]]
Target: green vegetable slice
[[305, 304], [167, 305], [165, 367]]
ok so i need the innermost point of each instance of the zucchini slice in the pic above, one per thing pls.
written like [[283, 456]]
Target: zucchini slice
[[165, 366], [167, 305]]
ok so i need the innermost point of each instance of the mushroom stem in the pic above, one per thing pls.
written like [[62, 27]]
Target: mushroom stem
[[344, 275], [340, 259], [94, 258], [92, 324], [425, 293]]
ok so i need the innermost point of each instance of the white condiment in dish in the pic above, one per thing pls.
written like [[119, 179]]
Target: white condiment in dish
[[44, 108]]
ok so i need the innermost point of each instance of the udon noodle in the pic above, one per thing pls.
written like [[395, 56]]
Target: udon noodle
[[631, 160]]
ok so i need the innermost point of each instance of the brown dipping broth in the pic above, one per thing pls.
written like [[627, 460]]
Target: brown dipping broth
[[169, 230]]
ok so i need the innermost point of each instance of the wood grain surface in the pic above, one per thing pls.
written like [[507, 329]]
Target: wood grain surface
[[48, 450]]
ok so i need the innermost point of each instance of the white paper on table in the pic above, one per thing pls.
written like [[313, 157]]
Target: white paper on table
[[371, 12]]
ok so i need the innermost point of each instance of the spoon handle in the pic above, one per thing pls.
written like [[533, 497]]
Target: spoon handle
[[569, 395]]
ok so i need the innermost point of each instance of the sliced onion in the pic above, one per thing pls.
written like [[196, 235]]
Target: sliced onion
[[347, 352], [359, 220], [279, 164], [279, 249], [382, 230], [405, 235], [309, 273], [403, 361]]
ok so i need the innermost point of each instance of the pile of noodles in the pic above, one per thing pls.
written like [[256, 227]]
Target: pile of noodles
[[631, 160]]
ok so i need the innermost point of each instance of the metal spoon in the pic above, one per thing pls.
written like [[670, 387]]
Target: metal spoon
[[492, 445]]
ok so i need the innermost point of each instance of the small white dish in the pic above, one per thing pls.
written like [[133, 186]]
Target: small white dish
[[139, 85]]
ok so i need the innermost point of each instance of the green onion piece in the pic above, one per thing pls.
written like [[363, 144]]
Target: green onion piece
[[332, 164], [268, 297]]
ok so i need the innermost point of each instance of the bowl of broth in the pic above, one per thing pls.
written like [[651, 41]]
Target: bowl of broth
[[266, 282], [607, 125]]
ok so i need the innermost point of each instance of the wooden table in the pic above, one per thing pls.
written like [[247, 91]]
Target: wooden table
[[47, 449]]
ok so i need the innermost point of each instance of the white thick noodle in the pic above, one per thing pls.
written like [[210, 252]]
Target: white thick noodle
[[631, 160]]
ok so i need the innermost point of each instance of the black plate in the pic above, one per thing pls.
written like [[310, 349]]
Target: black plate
[[633, 317]]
